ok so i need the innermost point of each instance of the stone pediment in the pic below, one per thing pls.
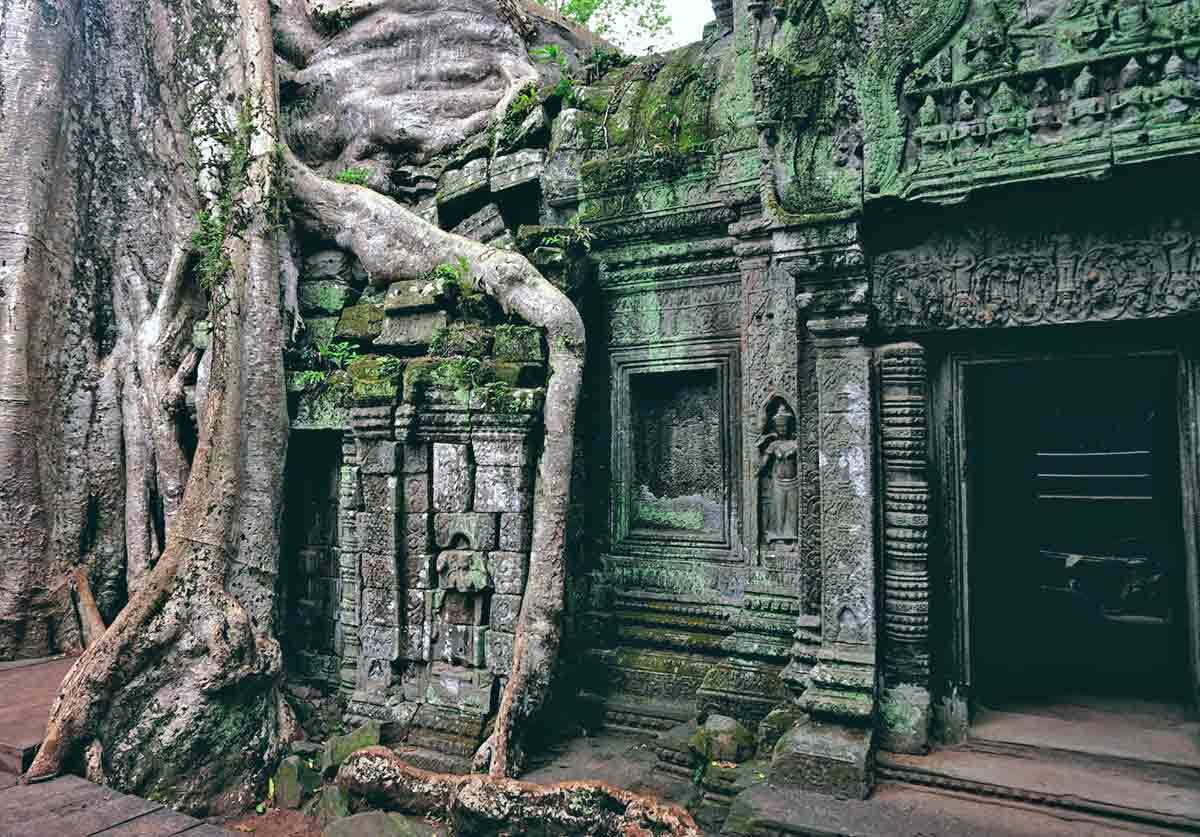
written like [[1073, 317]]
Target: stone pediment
[[1011, 91]]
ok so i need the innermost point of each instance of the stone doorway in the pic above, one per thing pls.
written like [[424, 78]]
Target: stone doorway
[[309, 556], [1077, 568], [1067, 491]]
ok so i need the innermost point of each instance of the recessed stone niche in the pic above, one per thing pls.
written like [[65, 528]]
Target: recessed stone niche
[[674, 450], [678, 473]]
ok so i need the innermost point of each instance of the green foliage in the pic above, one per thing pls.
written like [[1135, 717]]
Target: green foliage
[[456, 274], [309, 379], [227, 216], [460, 375], [602, 61], [353, 176], [209, 242], [574, 236], [625, 22], [497, 397], [553, 54], [389, 367], [337, 354], [460, 290]]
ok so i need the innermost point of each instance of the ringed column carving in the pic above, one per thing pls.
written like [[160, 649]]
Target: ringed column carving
[[903, 445]]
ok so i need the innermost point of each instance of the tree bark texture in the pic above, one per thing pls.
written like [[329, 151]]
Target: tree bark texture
[[124, 124], [179, 698]]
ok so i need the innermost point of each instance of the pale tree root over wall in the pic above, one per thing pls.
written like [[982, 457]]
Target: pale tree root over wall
[[485, 806], [393, 243], [179, 699]]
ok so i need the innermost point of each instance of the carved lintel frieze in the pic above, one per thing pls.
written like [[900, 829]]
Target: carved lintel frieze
[[997, 276]]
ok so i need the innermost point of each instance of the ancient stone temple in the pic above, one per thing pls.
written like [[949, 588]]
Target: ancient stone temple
[[890, 423], [889, 448]]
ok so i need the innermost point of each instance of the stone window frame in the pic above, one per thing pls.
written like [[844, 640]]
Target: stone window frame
[[721, 356]]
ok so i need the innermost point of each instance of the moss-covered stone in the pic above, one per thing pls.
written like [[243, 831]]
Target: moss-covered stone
[[322, 403], [323, 296], [375, 377], [294, 781], [338, 748], [722, 739], [519, 374], [462, 339], [318, 330], [518, 343], [362, 322]]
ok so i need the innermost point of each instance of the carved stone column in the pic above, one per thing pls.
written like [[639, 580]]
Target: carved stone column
[[346, 641], [903, 445], [829, 750], [377, 577]]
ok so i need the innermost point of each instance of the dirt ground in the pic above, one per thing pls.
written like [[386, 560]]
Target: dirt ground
[[277, 822]]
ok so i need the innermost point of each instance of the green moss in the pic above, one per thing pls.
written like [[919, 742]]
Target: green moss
[[226, 217], [353, 176], [462, 339], [518, 343], [661, 516], [323, 296], [360, 322], [375, 377]]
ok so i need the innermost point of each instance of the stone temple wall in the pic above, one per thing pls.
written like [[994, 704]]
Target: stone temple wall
[[753, 229]]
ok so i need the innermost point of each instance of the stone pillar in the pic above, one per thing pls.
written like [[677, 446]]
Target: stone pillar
[[905, 705], [830, 749], [378, 580], [346, 638], [843, 681]]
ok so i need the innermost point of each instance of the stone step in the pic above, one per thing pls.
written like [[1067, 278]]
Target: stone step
[[906, 811], [1144, 793]]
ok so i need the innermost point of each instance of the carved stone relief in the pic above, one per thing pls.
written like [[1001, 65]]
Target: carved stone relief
[[779, 476], [992, 277], [903, 441], [693, 310], [1008, 91], [674, 449]]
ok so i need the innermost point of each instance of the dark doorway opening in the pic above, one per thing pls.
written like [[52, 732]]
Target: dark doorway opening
[[309, 561], [1077, 576]]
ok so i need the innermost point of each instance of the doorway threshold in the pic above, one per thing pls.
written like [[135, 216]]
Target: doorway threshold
[[1130, 760], [1134, 729]]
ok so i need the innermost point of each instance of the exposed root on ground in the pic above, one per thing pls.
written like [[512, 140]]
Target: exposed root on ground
[[480, 806]]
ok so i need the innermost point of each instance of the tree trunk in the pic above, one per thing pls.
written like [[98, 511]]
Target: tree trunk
[[189, 670], [126, 123]]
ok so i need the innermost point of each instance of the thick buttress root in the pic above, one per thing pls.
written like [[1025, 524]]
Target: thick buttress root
[[393, 243], [178, 699], [486, 805]]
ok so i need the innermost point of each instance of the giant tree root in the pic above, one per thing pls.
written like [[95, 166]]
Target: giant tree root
[[487, 806]]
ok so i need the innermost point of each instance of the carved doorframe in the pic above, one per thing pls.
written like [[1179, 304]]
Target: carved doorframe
[[950, 451]]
